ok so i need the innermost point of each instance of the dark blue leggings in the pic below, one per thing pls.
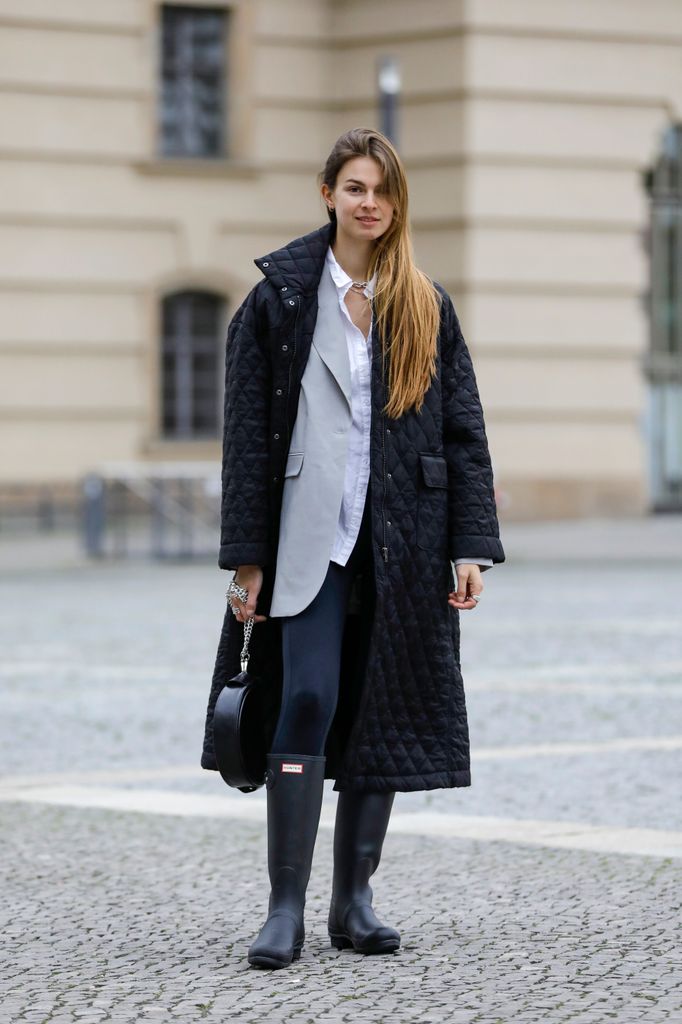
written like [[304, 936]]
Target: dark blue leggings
[[311, 654]]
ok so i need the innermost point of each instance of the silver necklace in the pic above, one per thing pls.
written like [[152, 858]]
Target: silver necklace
[[358, 286]]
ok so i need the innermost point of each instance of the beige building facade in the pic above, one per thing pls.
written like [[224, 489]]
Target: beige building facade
[[525, 127]]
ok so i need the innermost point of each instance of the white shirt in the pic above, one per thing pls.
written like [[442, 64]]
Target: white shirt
[[357, 461]]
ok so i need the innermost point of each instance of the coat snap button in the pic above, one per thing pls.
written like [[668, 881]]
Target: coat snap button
[[275, 479], [388, 522], [291, 302], [284, 348], [284, 288], [279, 391], [276, 437], [266, 264]]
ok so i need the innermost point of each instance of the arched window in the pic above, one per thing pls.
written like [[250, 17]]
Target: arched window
[[191, 361], [664, 363]]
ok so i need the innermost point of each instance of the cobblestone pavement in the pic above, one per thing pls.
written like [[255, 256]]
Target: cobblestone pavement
[[573, 673]]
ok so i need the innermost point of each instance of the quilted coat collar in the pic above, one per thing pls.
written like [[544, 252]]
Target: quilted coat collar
[[297, 266]]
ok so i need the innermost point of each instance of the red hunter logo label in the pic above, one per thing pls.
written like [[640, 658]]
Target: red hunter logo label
[[295, 769]]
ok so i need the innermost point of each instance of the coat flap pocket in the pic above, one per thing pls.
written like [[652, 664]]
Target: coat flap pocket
[[294, 463], [434, 469]]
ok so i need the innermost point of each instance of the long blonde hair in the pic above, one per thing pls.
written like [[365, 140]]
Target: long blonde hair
[[407, 306]]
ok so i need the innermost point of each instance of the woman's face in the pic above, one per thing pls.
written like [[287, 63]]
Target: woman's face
[[363, 210]]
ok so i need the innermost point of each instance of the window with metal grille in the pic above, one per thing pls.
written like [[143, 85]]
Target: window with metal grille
[[193, 81], [192, 358]]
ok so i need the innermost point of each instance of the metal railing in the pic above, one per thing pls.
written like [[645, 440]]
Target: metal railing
[[158, 510]]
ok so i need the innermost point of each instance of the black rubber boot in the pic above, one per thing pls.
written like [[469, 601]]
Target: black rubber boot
[[361, 823], [295, 783]]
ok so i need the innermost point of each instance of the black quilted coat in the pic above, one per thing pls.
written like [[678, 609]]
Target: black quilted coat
[[401, 720]]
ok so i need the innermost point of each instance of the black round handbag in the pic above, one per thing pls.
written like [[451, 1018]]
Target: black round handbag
[[244, 718]]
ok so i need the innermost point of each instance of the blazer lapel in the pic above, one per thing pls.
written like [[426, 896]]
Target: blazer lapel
[[329, 337]]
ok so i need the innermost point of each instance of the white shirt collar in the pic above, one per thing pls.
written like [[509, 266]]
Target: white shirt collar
[[341, 278]]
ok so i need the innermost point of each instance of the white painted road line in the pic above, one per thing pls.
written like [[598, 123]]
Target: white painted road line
[[189, 771], [643, 842], [633, 676], [572, 671], [613, 746], [88, 670], [177, 771], [665, 690]]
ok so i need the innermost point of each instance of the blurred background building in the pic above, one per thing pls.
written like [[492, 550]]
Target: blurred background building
[[149, 151]]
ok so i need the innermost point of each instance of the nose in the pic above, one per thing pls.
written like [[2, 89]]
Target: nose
[[369, 200]]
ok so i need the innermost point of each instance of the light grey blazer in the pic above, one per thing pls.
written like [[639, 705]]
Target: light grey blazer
[[316, 463]]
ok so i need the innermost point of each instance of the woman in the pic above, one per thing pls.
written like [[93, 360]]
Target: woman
[[356, 470]]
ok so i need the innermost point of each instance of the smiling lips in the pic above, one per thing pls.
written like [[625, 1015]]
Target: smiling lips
[[368, 220]]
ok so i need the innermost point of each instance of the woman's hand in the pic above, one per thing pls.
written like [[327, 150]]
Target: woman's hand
[[251, 577], [468, 583]]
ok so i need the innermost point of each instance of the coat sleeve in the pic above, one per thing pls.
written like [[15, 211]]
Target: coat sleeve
[[472, 513], [244, 518]]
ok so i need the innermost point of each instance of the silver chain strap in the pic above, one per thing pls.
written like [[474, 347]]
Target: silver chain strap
[[242, 593]]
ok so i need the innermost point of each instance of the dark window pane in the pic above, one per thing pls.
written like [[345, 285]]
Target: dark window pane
[[193, 77], [664, 182], [191, 381], [666, 247]]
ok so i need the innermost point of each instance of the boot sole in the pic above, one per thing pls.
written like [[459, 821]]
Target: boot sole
[[341, 941], [262, 960]]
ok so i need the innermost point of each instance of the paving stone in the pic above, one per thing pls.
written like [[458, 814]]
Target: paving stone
[[114, 916]]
